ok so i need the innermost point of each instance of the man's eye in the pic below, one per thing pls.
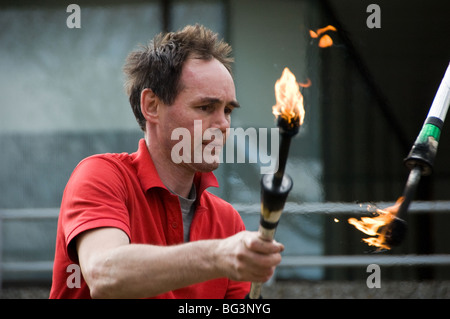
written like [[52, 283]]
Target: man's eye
[[205, 108], [228, 110]]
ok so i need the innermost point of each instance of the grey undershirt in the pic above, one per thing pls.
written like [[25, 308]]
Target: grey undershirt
[[187, 211]]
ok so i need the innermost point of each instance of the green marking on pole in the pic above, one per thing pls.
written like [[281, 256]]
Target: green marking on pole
[[427, 131]]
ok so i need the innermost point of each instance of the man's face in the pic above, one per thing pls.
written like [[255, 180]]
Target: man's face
[[207, 95]]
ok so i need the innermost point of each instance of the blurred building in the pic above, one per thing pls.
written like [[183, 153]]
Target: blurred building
[[62, 99]]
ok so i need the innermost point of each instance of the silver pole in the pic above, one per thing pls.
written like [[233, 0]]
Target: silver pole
[[441, 101]]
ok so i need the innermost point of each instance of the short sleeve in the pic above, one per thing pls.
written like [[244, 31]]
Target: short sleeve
[[95, 196]]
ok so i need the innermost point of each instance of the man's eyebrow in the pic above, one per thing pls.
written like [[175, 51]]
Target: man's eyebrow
[[234, 104], [213, 100]]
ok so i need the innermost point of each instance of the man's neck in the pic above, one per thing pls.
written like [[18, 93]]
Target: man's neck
[[177, 178]]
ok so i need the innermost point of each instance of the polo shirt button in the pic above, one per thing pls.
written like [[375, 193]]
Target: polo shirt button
[[174, 225]]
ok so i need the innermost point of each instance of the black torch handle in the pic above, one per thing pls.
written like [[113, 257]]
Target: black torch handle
[[420, 159], [285, 142], [273, 199], [409, 191]]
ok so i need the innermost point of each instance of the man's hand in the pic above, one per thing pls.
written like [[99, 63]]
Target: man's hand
[[247, 257]]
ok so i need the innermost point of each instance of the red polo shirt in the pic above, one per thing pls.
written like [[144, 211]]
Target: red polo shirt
[[125, 191]]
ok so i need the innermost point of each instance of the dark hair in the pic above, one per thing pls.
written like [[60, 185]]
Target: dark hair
[[158, 65]]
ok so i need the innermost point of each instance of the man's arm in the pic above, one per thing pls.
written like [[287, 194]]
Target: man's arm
[[114, 268]]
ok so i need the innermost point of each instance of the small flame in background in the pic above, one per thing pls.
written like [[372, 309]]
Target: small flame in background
[[289, 99], [373, 226], [325, 40]]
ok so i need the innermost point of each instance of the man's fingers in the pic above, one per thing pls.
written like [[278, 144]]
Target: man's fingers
[[261, 246], [250, 257]]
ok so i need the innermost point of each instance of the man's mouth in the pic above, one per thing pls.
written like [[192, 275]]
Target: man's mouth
[[212, 143]]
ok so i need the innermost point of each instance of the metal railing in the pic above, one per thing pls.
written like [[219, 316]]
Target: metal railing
[[330, 208], [336, 209], [25, 215]]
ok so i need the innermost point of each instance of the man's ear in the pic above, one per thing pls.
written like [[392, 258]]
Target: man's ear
[[149, 105]]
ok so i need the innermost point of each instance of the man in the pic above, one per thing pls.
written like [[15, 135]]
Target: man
[[143, 225]]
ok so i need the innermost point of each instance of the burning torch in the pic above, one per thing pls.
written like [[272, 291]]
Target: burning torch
[[420, 160], [289, 113]]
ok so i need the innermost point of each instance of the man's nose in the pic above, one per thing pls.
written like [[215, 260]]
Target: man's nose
[[221, 120]]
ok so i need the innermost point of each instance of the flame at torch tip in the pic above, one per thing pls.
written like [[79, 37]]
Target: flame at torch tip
[[373, 226], [289, 99]]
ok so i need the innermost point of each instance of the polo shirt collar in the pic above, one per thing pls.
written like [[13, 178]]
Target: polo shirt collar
[[149, 178]]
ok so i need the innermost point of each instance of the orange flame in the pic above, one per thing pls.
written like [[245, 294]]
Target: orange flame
[[325, 40], [327, 28], [305, 85], [289, 99], [372, 226], [313, 34]]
